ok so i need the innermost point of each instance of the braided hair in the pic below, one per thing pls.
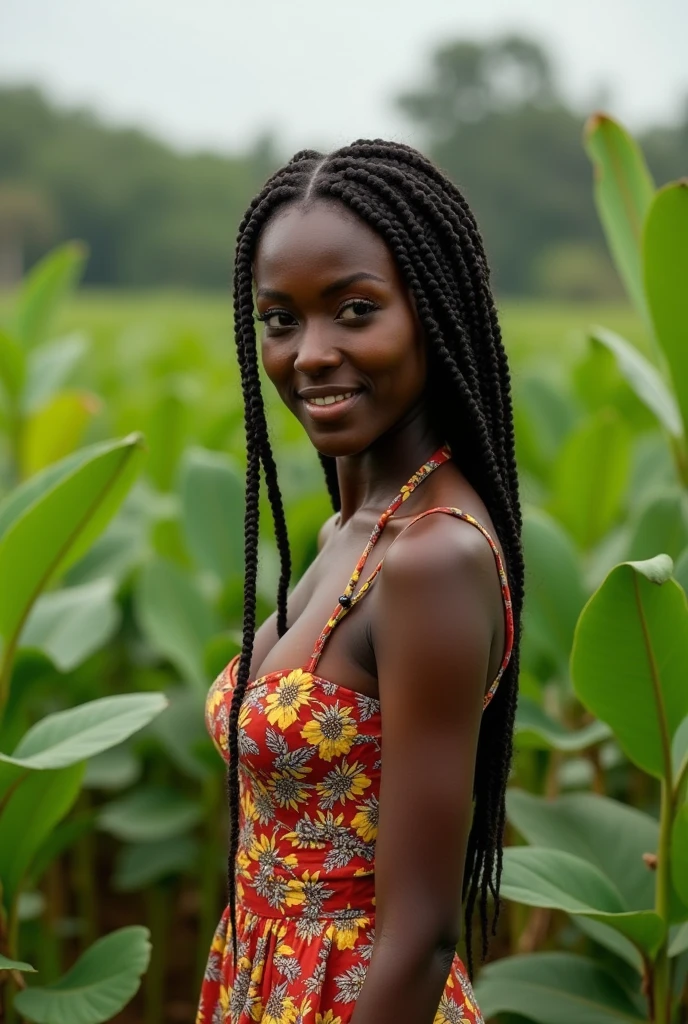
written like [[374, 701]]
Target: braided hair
[[433, 237]]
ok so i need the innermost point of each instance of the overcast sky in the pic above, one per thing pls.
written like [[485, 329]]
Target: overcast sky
[[217, 73]]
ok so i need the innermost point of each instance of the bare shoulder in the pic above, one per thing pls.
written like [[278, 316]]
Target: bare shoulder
[[439, 611], [442, 550]]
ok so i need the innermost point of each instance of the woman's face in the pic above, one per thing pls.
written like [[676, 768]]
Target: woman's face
[[337, 321]]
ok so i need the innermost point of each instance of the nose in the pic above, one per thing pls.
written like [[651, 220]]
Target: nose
[[316, 352]]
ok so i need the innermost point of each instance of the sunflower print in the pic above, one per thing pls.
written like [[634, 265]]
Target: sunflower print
[[310, 758]]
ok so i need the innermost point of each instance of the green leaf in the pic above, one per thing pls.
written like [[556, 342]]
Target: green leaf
[[150, 815], [15, 965], [113, 769], [591, 476], [679, 853], [612, 940], [552, 878], [679, 940], [681, 570], [68, 737], [56, 429], [554, 988], [181, 730], [140, 865], [12, 365], [49, 282], [175, 617], [30, 491], [665, 251], [629, 656], [535, 728], [49, 367], [554, 585], [623, 193], [679, 756], [59, 526], [644, 378], [30, 814], [71, 624], [660, 526], [212, 495], [610, 835], [97, 987]]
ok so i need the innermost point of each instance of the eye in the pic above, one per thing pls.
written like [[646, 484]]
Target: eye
[[276, 319], [354, 309]]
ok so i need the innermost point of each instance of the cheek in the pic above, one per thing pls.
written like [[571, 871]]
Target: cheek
[[277, 360]]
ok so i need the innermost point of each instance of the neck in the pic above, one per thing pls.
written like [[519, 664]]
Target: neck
[[370, 480]]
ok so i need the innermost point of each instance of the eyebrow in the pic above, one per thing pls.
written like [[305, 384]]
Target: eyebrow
[[331, 289]]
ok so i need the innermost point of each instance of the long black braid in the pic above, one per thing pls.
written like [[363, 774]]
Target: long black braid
[[433, 237]]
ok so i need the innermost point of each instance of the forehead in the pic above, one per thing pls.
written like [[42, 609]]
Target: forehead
[[320, 240]]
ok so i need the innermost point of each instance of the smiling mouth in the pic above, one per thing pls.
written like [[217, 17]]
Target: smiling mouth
[[330, 407], [331, 399]]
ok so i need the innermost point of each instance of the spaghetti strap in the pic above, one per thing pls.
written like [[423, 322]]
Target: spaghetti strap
[[347, 600]]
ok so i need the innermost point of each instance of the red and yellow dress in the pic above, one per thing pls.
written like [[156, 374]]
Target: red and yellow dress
[[309, 776]]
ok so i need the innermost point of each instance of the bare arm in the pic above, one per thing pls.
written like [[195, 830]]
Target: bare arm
[[440, 602]]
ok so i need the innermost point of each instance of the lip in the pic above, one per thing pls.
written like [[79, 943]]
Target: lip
[[325, 390], [335, 411]]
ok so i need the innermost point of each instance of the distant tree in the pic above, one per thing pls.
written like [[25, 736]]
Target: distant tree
[[493, 117]]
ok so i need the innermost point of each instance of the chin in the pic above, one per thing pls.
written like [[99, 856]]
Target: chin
[[339, 444]]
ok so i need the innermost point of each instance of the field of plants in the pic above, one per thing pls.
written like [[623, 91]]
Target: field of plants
[[121, 532]]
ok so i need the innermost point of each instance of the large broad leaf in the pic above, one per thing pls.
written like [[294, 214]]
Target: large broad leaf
[[175, 617], [535, 728], [49, 367], [623, 193], [69, 625], [662, 525], [612, 940], [12, 365], [97, 987], [114, 769], [68, 737], [56, 429], [212, 495], [679, 751], [15, 965], [610, 835], [679, 853], [140, 865], [681, 570], [29, 816], [555, 988], [58, 527], [644, 378], [545, 414], [554, 585], [552, 878], [591, 476], [30, 491], [149, 815], [629, 658], [44, 289], [679, 940], [665, 253]]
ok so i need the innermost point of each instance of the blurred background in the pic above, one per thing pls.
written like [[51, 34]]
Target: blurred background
[[132, 137]]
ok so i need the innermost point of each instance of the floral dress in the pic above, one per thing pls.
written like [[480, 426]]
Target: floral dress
[[309, 777]]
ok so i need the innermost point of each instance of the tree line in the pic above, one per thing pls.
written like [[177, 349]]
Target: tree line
[[491, 114]]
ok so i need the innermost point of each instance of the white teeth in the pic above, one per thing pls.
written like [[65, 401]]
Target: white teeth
[[330, 399]]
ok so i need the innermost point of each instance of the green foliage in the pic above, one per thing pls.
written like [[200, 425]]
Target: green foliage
[[47, 523], [102, 981], [619, 872]]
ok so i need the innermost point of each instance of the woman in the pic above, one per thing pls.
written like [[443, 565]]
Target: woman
[[348, 869]]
